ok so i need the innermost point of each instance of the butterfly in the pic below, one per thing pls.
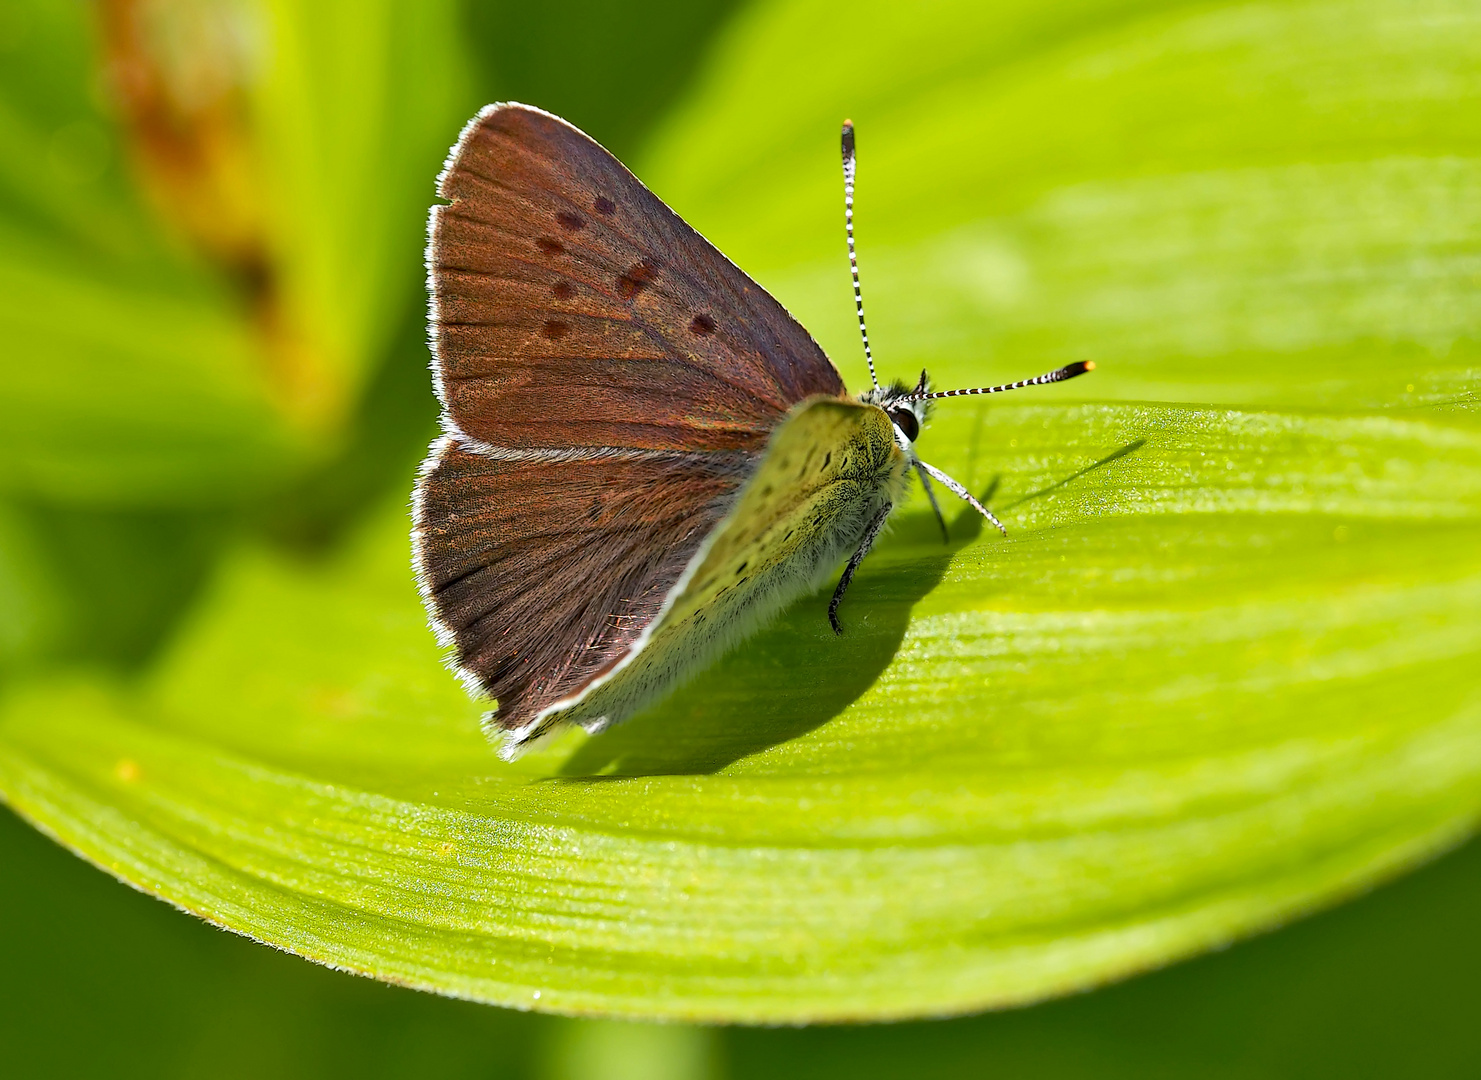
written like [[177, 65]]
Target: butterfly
[[644, 456]]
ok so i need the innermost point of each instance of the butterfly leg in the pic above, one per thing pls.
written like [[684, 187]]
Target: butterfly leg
[[962, 493], [925, 482], [871, 533]]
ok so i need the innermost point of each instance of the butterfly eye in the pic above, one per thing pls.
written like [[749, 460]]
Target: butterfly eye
[[905, 420]]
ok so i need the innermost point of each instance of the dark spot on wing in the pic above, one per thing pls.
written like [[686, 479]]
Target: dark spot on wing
[[554, 329], [826, 459], [570, 221], [702, 325], [742, 566], [549, 246], [604, 205], [562, 290], [637, 278]]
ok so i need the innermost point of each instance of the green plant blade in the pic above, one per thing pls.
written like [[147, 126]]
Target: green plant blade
[[355, 114], [119, 393], [134, 375], [128, 373], [1223, 670], [1223, 676], [1272, 203]]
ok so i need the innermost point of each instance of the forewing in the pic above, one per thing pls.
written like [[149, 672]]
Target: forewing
[[572, 308], [544, 573]]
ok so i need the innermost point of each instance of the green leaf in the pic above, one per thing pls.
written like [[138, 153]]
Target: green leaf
[[355, 112], [1222, 671], [1272, 203], [128, 373], [134, 375], [1220, 677], [611, 71], [130, 392], [32, 605]]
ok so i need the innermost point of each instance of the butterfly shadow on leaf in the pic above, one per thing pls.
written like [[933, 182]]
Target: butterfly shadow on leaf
[[793, 676]]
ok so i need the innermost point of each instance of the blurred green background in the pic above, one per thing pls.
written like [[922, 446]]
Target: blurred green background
[[125, 203]]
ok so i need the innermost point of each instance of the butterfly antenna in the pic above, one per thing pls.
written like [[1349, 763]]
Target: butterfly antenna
[[1069, 371], [848, 225]]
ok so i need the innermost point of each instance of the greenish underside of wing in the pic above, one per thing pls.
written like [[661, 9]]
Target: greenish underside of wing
[[818, 457]]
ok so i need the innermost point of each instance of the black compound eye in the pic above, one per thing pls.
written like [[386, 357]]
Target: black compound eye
[[905, 420]]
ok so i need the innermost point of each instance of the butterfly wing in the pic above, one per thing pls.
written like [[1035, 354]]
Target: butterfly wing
[[572, 308], [609, 380], [829, 468], [543, 574]]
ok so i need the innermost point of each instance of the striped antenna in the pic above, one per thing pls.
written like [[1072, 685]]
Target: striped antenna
[[848, 225], [1069, 371]]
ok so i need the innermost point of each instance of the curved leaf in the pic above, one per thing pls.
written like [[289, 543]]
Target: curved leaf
[[1222, 671], [1226, 673]]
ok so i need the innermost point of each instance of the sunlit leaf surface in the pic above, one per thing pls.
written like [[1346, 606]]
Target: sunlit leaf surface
[[1275, 203], [152, 361], [1222, 671]]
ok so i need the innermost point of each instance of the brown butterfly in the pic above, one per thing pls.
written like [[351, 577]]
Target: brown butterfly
[[644, 455]]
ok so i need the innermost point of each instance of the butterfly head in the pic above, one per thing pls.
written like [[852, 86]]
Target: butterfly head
[[901, 404]]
